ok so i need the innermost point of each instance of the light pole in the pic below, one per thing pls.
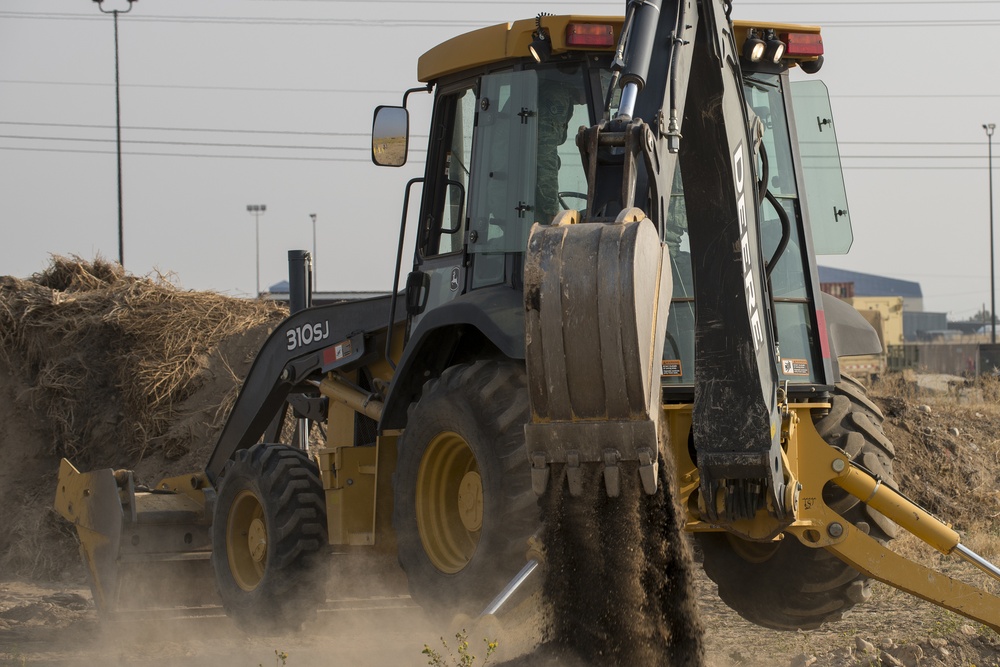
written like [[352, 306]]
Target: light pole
[[315, 281], [993, 298], [118, 129], [257, 210]]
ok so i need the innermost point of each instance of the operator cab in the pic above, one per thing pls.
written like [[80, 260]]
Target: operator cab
[[503, 155]]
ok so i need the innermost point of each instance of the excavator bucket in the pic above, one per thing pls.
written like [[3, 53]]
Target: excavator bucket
[[143, 548], [596, 297]]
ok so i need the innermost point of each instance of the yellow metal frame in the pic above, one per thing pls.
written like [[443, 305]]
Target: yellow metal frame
[[353, 476], [812, 463]]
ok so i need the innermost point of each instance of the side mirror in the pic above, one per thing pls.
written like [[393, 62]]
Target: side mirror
[[390, 136]]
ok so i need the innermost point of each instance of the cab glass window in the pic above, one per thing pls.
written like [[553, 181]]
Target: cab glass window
[[445, 231]]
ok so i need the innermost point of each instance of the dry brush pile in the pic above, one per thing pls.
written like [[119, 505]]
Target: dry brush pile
[[108, 369], [107, 357]]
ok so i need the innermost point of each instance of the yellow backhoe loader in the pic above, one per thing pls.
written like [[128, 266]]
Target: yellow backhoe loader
[[614, 284]]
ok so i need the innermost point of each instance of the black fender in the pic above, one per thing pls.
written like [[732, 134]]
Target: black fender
[[847, 331], [477, 324]]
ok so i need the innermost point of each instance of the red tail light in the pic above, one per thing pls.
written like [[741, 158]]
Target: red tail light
[[802, 44], [589, 34]]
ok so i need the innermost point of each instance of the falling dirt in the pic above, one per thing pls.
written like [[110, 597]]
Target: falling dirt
[[55, 402], [618, 575]]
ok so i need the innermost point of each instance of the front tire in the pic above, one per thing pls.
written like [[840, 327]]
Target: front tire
[[268, 531], [787, 585], [464, 507]]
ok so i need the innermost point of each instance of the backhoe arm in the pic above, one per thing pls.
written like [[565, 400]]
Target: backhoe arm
[[736, 421], [681, 96]]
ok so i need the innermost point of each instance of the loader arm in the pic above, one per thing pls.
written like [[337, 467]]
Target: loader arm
[[315, 340]]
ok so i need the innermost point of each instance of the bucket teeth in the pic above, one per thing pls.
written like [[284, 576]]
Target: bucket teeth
[[612, 475], [610, 460], [539, 473], [574, 474], [648, 470]]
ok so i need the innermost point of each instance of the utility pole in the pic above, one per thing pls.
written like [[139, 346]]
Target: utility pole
[[993, 298], [315, 280], [118, 129], [257, 210]]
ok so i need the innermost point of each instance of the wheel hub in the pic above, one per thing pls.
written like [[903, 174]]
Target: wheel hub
[[470, 501], [257, 540], [246, 541]]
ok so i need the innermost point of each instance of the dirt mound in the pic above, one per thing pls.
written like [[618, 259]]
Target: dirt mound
[[947, 444], [109, 370]]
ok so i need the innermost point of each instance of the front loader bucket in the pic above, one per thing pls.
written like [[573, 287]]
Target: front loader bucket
[[143, 549]]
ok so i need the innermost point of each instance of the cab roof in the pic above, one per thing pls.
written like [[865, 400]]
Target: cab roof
[[510, 41]]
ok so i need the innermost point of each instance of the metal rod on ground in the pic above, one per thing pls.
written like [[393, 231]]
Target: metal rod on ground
[[513, 585]]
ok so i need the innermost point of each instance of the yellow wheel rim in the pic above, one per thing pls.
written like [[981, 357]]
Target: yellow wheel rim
[[449, 502], [246, 541]]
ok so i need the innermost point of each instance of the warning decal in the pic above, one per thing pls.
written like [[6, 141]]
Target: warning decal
[[794, 367], [671, 368]]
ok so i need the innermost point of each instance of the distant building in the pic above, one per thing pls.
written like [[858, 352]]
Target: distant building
[[279, 292], [856, 287], [867, 284]]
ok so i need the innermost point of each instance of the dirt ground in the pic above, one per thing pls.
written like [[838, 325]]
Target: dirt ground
[[946, 432]]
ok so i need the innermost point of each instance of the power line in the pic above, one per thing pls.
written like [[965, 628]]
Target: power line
[[255, 89], [186, 129], [414, 149], [914, 23], [261, 20], [904, 157], [914, 95], [207, 144], [434, 23], [742, 3], [229, 130], [184, 155], [360, 91], [901, 143], [184, 143], [910, 168], [867, 3], [142, 128]]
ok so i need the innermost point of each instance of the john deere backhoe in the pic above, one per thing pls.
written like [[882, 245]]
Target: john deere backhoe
[[615, 249]]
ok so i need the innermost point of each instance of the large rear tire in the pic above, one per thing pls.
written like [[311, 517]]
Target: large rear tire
[[464, 507], [786, 585], [268, 532]]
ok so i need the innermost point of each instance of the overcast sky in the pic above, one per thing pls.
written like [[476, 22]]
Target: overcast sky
[[227, 103]]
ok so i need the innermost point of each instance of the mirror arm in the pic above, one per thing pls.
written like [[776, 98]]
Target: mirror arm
[[429, 88]]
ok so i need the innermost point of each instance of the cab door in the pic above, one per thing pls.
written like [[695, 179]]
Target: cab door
[[439, 265]]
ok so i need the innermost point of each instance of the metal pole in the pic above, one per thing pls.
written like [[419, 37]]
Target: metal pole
[[118, 129], [993, 299], [315, 279], [256, 217], [257, 210], [118, 136]]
